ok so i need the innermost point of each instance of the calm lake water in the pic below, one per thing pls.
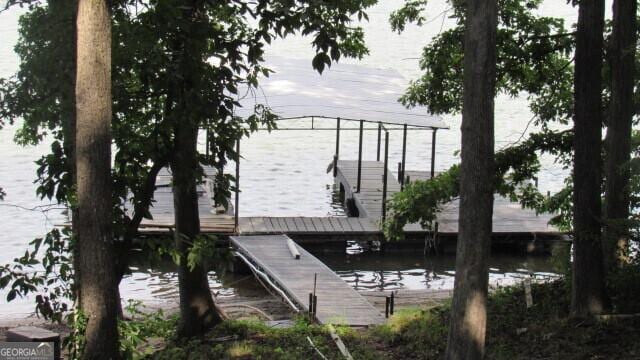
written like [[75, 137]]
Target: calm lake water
[[284, 173]]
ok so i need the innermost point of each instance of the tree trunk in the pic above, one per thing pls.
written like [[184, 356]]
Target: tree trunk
[[197, 310], [468, 312], [97, 283], [68, 99], [588, 295], [618, 141]]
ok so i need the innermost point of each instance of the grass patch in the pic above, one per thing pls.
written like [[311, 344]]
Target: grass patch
[[543, 331]]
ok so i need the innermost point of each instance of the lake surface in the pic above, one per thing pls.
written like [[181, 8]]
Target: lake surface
[[284, 173]]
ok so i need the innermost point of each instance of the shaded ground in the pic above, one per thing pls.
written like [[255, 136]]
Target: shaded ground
[[543, 331]]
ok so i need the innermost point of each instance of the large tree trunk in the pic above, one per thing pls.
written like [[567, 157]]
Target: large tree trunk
[[618, 141], [197, 310], [588, 295], [97, 284], [468, 313]]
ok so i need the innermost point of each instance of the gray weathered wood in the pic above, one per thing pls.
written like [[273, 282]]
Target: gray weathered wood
[[508, 217], [338, 303]]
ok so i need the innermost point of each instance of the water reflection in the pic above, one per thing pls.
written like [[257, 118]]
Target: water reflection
[[393, 270], [158, 283]]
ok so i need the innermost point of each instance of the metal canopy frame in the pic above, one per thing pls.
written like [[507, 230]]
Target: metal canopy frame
[[385, 126]]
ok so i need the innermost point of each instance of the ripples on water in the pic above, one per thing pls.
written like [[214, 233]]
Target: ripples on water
[[393, 270]]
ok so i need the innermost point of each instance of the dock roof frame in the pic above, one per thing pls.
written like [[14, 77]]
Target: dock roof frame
[[381, 127]]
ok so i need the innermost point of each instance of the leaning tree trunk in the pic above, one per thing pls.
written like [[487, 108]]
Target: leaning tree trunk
[[197, 310], [97, 284], [588, 295], [468, 312], [618, 141]]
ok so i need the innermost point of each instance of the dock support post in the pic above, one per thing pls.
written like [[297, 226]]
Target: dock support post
[[379, 140], [387, 302], [360, 157], [404, 155], [237, 206], [385, 175], [337, 155], [391, 304], [433, 152]]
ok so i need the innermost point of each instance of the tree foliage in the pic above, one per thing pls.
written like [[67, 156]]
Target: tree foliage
[[534, 59], [230, 39]]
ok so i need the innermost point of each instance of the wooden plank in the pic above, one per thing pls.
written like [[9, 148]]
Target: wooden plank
[[318, 224], [328, 226], [245, 225], [258, 225], [275, 226], [300, 225], [355, 224], [309, 224], [291, 224], [283, 224], [267, 224], [345, 223], [336, 224]]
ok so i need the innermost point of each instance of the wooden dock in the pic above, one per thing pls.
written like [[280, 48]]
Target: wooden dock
[[337, 302], [212, 220], [508, 217]]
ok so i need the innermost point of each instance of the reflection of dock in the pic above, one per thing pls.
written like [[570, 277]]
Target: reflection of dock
[[337, 302]]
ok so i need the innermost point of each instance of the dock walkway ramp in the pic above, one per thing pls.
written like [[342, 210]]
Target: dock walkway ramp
[[337, 302]]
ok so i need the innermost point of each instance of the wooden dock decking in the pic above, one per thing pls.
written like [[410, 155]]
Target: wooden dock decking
[[338, 303], [508, 217], [307, 226], [163, 214]]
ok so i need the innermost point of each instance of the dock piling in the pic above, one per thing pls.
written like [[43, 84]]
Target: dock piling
[[237, 205], [433, 152], [337, 155], [385, 175], [404, 155], [360, 157], [387, 303], [379, 140], [391, 303]]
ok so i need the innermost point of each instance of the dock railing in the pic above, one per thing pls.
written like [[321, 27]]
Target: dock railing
[[385, 126], [401, 166]]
